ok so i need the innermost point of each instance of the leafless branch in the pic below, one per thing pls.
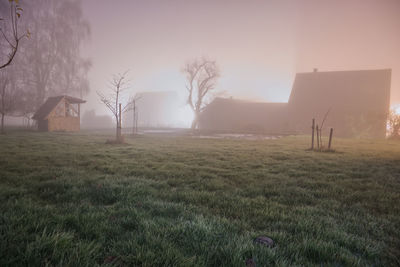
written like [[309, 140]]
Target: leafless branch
[[14, 16], [107, 102], [323, 121], [117, 86], [132, 101], [201, 75]]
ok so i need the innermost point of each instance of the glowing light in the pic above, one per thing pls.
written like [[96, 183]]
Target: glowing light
[[185, 117], [396, 109]]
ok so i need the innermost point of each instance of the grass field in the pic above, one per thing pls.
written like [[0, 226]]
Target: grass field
[[70, 199]]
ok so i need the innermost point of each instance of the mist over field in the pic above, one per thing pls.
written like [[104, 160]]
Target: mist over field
[[259, 46], [199, 133]]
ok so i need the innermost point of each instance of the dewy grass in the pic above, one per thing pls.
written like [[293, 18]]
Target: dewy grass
[[71, 199]]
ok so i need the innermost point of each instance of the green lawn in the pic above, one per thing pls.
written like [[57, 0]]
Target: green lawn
[[71, 199]]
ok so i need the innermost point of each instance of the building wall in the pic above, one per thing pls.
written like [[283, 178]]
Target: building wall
[[57, 120], [68, 124], [231, 115], [155, 109], [358, 102], [60, 113], [43, 125]]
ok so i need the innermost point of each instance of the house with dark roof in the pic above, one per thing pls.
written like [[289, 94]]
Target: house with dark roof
[[356, 104], [235, 115], [59, 113]]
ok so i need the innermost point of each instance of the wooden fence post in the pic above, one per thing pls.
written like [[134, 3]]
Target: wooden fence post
[[318, 137], [330, 138], [312, 135], [135, 118]]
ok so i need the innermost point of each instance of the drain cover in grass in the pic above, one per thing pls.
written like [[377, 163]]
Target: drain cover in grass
[[263, 240], [250, 263]]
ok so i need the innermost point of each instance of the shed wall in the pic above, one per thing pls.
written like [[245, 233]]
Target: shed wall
[[42, 125], [68, 124]]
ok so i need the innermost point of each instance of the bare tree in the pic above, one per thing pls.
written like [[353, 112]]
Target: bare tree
[[52, 59], [4, 105], [394, 124], [201, 75], [118, 86], [70, 65], [9, 95], [11, 37], [319, 131], [26, 106]]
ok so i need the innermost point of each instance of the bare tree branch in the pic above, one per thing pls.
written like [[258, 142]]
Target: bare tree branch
[[15, 14], [326, 115], [201, 75], [117, 86]]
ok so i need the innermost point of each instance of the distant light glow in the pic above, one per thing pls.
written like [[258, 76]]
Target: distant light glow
[[258, 45], [186, 117], [396, 109]]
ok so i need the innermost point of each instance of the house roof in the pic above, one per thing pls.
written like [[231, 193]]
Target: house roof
[[357, 89], [357, 101], [51, 103]]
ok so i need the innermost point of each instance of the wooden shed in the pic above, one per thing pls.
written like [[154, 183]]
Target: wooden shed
[[59, 113]]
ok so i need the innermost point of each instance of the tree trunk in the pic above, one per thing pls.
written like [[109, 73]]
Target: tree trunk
[[136, 120], [119, 128], [2, 123], [195, 121], [40, 94]]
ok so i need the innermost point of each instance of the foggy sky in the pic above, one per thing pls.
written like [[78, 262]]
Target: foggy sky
[[259, 45]]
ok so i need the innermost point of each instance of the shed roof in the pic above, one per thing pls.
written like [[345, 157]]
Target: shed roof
[[51, 103]]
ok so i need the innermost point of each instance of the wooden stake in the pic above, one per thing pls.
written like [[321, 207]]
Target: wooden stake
[[136, 120], [312, 135], [318, 137], [134, 117], [330, 138]]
